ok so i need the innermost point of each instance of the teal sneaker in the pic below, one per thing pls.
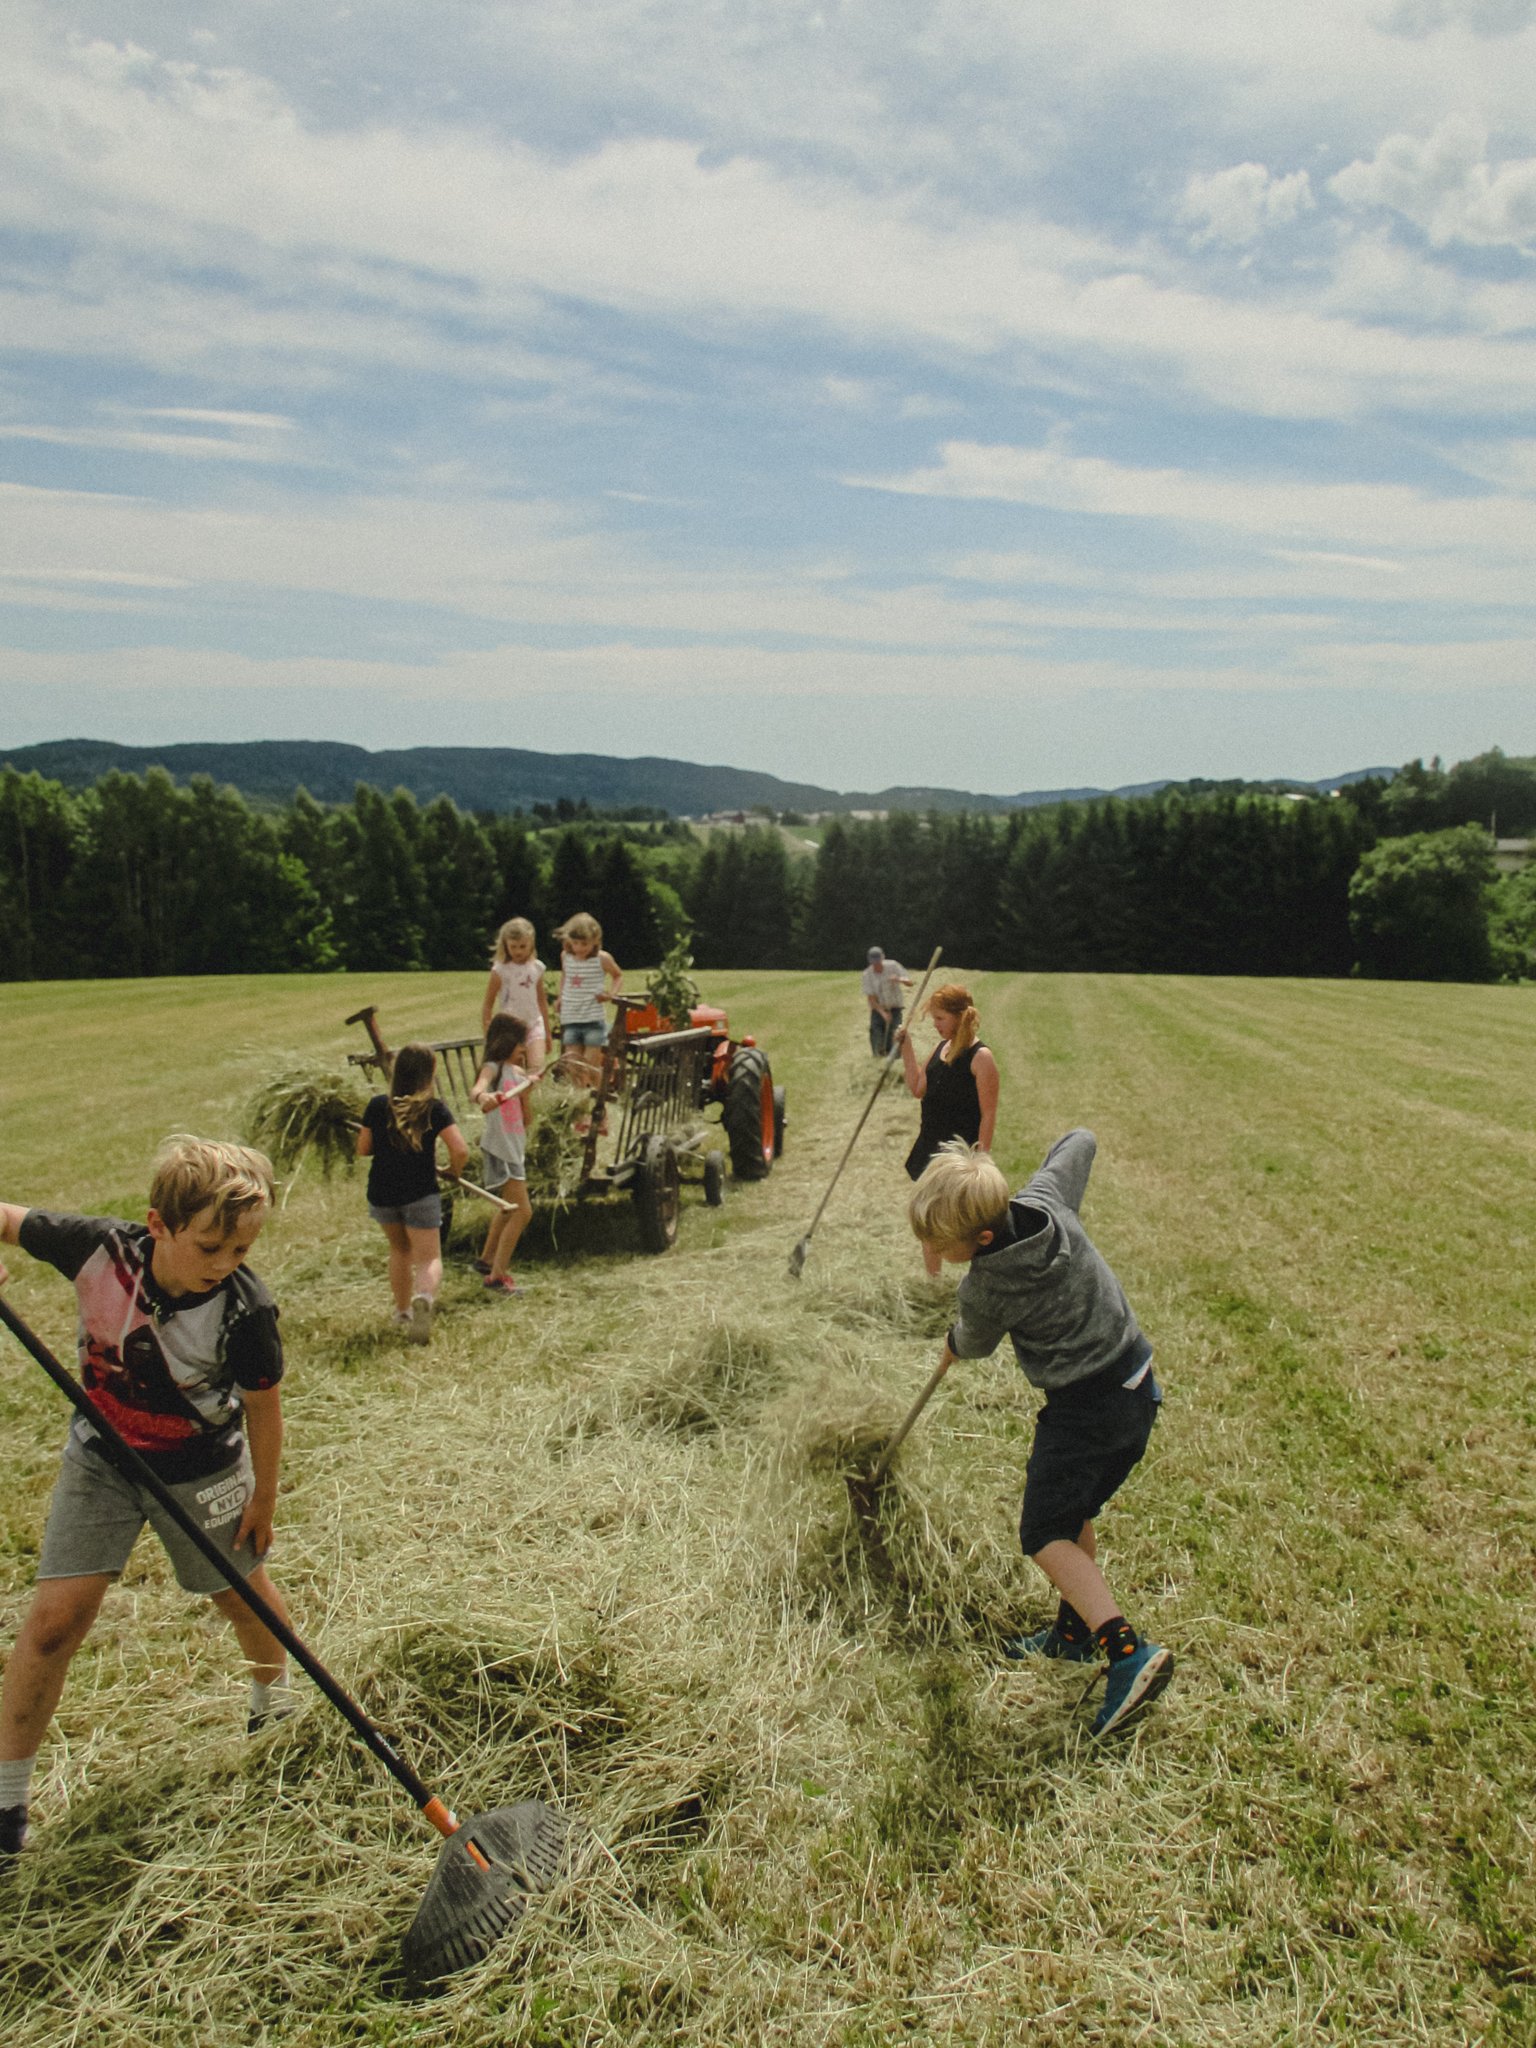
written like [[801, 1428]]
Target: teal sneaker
[[1049, 1642], [1133, 1683]]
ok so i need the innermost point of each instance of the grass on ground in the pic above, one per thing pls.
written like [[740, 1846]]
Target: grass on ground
[[590, 1547]]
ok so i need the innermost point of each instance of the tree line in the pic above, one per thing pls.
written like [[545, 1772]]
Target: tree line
[[139, 875]]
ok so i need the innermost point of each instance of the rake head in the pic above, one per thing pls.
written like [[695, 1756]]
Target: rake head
[[486, 1873], [797, 1257]]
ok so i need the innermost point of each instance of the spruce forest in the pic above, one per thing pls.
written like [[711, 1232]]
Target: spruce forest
[[142, 876]]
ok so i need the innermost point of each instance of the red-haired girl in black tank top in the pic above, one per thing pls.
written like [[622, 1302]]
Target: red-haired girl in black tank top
[[958, 1088]]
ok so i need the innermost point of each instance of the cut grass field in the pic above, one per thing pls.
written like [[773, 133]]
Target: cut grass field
[[590, 1546]]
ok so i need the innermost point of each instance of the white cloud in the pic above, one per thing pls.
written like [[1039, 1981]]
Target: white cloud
[[1348, 515], [129, 579], [507, 677], [1446, 186], [849, 394], [433, 244], [1238, 204], [1481, 17], [138, 441]]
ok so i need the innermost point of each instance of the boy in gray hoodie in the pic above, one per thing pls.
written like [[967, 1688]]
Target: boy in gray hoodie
[[1036, 1277]]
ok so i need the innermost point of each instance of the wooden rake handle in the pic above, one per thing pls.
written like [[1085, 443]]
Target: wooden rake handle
[[913, 1413], [885, 1066]]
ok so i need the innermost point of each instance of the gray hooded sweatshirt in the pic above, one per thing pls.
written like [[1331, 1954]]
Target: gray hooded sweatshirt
[[1042, 1283]]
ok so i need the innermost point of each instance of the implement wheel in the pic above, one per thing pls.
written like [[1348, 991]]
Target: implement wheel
[[748, 1117], [658, 1193], [714, 1178], [778, 1123]]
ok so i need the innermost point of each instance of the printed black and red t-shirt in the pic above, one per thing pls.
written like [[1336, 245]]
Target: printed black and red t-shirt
[[166, 1370]]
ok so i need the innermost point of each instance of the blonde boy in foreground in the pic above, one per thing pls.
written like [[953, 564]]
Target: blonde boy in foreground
[[1035, 1277], [176, 1342]]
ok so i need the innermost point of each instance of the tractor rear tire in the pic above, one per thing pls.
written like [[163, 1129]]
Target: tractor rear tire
[[747, 1117], [778, 1123], [658, 1192]]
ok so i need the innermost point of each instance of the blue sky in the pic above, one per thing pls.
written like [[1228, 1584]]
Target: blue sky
[[984, 394]]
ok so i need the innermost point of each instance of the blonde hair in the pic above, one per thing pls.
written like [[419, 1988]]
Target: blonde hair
[[583, 926], [412, 1085], [955, 1000], [961, 1193], [193, 1174], [514, 928]]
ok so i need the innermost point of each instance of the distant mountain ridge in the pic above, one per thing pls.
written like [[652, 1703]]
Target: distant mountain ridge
[[501, 779]]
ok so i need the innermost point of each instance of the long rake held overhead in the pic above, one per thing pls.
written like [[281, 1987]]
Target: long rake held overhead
[[488, 1866]]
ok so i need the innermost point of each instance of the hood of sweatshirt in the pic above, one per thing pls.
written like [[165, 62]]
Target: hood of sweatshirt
[[1049, 1289]]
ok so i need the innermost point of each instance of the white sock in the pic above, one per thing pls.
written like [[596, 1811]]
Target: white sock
[[16, 1781], [273, 1698]]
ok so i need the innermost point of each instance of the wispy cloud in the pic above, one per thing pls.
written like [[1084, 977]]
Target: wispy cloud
[[646, 355], [1394, 513], [141, 441]]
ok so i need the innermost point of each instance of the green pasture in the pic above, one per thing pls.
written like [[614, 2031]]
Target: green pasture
[[594, 1546]]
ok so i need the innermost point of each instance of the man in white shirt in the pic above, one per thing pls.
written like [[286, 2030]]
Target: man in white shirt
[[883, 983]]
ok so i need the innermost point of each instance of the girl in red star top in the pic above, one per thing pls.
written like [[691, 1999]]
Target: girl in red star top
[[958, 1087], [516, 987], [180, 1352], [399, 1137], [499, 1088]]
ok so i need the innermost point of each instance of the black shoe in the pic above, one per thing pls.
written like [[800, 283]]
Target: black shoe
[[1050, 1642], [13, 1830], [275, 1715]]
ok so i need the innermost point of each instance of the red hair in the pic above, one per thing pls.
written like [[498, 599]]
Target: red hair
[[955, 1000]]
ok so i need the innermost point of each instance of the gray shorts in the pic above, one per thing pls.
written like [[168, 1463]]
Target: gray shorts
[[508, 1160], [424, 1214], [96, 1515]]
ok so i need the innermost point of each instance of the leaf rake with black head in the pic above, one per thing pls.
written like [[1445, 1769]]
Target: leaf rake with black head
[[489, 1866]]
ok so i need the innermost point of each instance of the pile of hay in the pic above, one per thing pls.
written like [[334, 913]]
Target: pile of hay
[[307, 1109], [556, 1148]]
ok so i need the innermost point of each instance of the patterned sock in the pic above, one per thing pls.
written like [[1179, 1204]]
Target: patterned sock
[[1117, 1639], [16, 1781], [1070, 1625]]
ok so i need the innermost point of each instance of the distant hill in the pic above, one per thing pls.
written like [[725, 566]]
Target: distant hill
[[510, 778]]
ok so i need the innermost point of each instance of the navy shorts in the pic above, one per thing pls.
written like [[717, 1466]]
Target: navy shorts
[[1089, 1438]]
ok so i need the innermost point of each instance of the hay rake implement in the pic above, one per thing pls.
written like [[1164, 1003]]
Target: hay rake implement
[[646, 1133]]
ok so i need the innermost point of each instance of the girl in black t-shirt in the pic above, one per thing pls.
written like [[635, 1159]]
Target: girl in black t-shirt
[[399, 1140]]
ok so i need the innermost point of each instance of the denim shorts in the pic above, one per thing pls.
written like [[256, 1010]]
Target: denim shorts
[[1089, 1438], [592, 1032], [507, 1159], [97, 1514], [426, 1213]]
